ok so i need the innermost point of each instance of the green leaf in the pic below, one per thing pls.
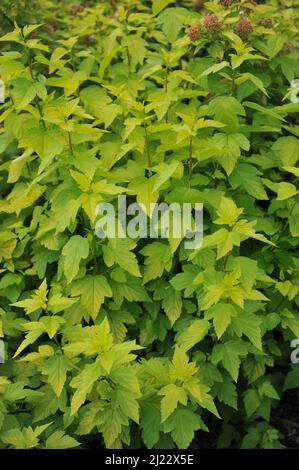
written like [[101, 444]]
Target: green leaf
[[215, 68], [226, 392], [249, 325], [292, 379], [93, 291], [159, 5], [247, 177], [8, 243], [255, 80], [222, 315], [25, 438], [182, 425], [226, 109], [24, 91], [171, 23], [158, 258], [173, 395], [150, 424], [83, 383], [231, 145], [76, 249], [119, 251], [56, 368], [60, 440], [287, 150], [294, 221], [285, 191], [172, 304], [252, 402], [229, 354], [136, 47], [227, 212], [193, 334], [146, 195], [37, 301], [46, 143], [199, 391], [51, 324]]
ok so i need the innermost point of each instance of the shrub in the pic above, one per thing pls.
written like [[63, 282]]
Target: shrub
[[115, 341]]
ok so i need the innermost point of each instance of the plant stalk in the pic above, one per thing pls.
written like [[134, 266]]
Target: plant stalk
[[190, 163]]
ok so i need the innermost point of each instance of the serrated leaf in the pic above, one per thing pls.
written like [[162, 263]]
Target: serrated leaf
[[193, 334], [172, 304], [182, 425], [222, 315], [60, 440], [76, 249], [159, 5], [119, 251], [56, 368], [229, 354], [92, 290], [249, 325], [172, 396]]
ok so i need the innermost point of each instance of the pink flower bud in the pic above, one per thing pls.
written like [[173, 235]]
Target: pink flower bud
[[194, 32], [244, 28], [211, 23]]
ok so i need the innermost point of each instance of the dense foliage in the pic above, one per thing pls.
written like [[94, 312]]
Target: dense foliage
[[143, 343]]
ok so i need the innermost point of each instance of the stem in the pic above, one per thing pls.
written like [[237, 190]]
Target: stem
[[70, 144], [40, 112], [147, 145], [126, 47], [37, 103], [113, 2], [190, 159], [11, 97], [166, 90], [129, 59], [94, 250], [166, 80], [233, 84], [191, 53], [291, 212], [225, 260], [28, 169], [279, 304], [72, 61]]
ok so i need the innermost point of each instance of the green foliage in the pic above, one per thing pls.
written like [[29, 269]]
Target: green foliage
[[120, 341]]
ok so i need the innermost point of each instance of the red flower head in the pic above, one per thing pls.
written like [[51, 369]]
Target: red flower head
[[211, 23], [244, 28], [194, 32]]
